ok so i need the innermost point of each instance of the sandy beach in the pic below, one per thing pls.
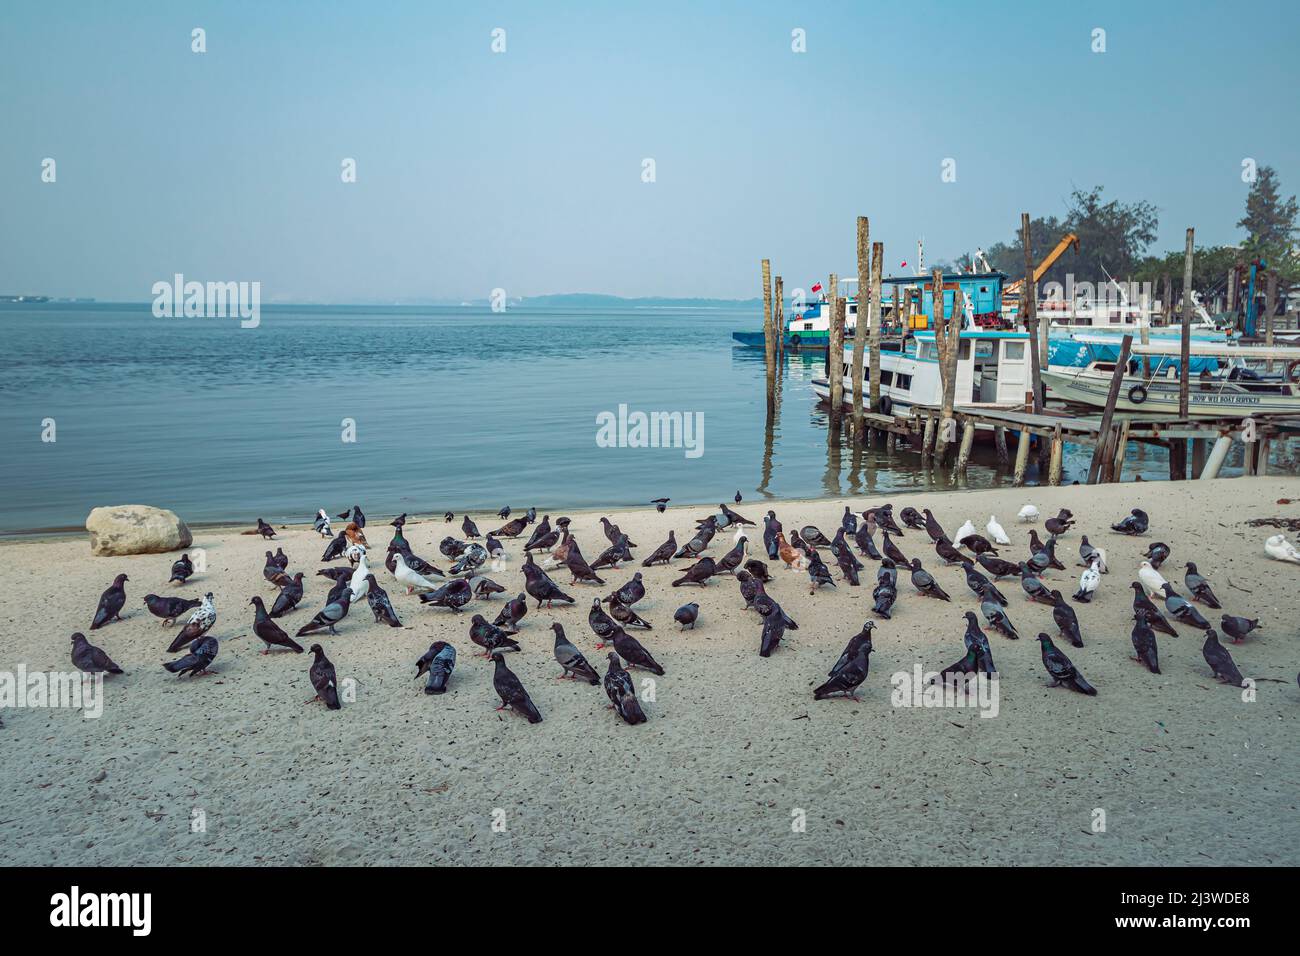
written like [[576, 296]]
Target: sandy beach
[[735, 750]]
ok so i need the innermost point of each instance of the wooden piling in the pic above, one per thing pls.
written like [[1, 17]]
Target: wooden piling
[[1000, 444], [927, 438], [778, 321], [1029, 315], [1058, 455], [769, 339], [1270, 306], [1022, 459], [1185, 359], [860, 330], [967, 440], [834, 354], [1112, 396], [1121, 445], [873, 368]]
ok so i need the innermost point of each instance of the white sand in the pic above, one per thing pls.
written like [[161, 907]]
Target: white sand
[[1186, 772]]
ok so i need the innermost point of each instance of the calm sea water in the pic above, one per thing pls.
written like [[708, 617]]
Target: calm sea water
[[456, 409]]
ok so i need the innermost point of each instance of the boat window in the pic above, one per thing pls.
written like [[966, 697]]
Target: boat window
[[984, 349], [1014, 351], [904, 381], [807, 326], [923, 350], [886, 377], [963, 353]]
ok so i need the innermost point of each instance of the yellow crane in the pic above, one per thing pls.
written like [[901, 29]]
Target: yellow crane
[[1067, 240]]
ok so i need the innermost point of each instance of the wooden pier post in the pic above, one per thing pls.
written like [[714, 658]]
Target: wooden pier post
[[1022, 459], [1029, 315], [1000, 443], [967, 440], [778, 321], [835, 357], [927, 438], [1121, 445], [1112, 396], [1185, 359], [860, 330], [877, 309], [769, 339], [1058, 454], [1270, 306]]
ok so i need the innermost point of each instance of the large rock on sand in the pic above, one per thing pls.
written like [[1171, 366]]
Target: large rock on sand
[[136, 529]]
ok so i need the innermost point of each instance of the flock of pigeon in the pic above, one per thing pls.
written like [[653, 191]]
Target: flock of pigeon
[[874, 534]]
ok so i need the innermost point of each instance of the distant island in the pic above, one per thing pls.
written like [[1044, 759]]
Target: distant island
[[590, 300]]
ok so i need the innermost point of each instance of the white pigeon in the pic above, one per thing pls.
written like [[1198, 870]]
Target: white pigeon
[[1151, 579], [322, 524], [965, 531], [360, 583], [740, 533], [355, 553], [1280, 549], [996, 531], [1028, 513], [1089, 581], [411, 579]]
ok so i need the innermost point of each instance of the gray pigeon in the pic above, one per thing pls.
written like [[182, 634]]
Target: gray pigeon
[[1220, 661], [571, 659], [622, 692], [438, 662], [89, 658]]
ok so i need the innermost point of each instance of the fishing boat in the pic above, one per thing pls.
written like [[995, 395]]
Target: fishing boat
[[1224, 381], [808, 326]]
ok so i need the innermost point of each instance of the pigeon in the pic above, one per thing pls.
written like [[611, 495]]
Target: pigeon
[[849, 677], [601, 624], [1034, 589], [539, 585], [469, 529], [613, 533], [813, 537], [323, 679], [884, 595], [892, 551], [451, 547], [272, 634], [203, 651], [490, 637], [1182, 609], [855, 644], [629, 593], [381, 605], [334, 550], [1062, 669], [579, 568], [1151, 579], [996, 531], [453, 595], [571, 659], [848, 523], [354, 554], [1237, 627], [1220, 661], [818, 574], [325, 619], [438, 662], [448, 517], [662, 554], [360, 580], [661, 504], [884, 516], [849, 565], [686, 615], [1280, 549], [758, 570], [91, 659], [470, 560], [1144, 643], [1089, 581], [1200, 588], [622, 692], [1062, 523], [698, 573], [947, 553], [321, 524], [924, 582], [982, 586], [771, 528], [1142, 605], [732, 517], [198, 624], [1136, 523], [697, 545], [543, 530], [977, 641], [511, 690], [632, 651], [751, 588], [611, 556], [1028, 513], [399, 522], [1157, 554], [513, 612], [504, 513], [355, 516], [977, 544], [866, 544], [484, 588], [169, 608], [728, 563], [1087, 552], [407, 576], [337, 574], [966, 530], [775, 623], [887, 573], [264, 529], [911, 518], [968, 664], [997, 618], [1066, 620], [182, 569], [512, 528], [997, 566], [1037, 547], [111, 603]]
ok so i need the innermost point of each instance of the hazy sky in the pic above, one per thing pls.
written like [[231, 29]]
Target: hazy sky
[[523, 170]]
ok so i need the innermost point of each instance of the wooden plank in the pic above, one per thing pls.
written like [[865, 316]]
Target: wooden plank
[[778, 322], [1112, 396], [769, 338], [1121, 446], [1058, 454], [1184, 371], [860, 332], [1029, 315], [834, 354], [877, 267], [1022, 460], [1000, 444], [967, 440]]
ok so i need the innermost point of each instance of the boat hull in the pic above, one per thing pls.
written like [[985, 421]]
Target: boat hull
[[799, 341], [1160, 396]]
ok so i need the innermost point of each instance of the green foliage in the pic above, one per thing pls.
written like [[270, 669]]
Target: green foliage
[[1270, 224]]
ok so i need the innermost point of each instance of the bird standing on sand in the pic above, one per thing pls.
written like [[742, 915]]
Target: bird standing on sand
[[438, 662], [264, 529], [272, 634], [883, 595], [511, 690], [512, 612], [111, 603], [1182, 609], [1089, 581], [700, 542], [1066, 620], [818, 574], [1034, 589], [1220, 661], [750, 587], [849, 677], [323, 679], [661, 504], [1028, 513], [601, 624], [203, 651], [381, 605], [851, 649], [1142, 605], [1062, 523], [662, 554], [892, 551], [334, 550], [490, 637], [539, 586], [1151, 579], [621, 692], [978, 642], [330, 615], [1238, 627], [289, 596], [775, 623], [1136, 523], [981, 586], [579, 568], [405, 575], [1144, 644], [1200, 587], [571, 659], [321, 524], [997, 618], [182, 568], [169, 608], [997, 567], [627, 617], [996, 531], [771, 527], [634, 652], [1062, 669], [687, 615], [469, 529], [698, 573], [1157, 554], [512, 528], [925, 583], [199, 623], [453, 595], [355, 516], [91, 659], [543, 530]]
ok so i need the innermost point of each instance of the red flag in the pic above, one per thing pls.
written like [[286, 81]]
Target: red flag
[[817, 287], [904, 264]]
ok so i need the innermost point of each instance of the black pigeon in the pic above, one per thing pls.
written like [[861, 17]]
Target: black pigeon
[[661, 504], [770, 529], [981, 586], [732, 517], [851, 649], [399, 522], [451, 547], [1062, 523], [601, 624], [571, 659], [924, 582], [111, 603], [169, 608], [932, 526], [579, 568], [91, 659], [775, 623], [1087, 552], [490, 637], [884, 515], [1157, 554], [1136, 523], [342, 584], [686, 615], [323, 679], [264, 529], [1062, 669], [539, 585], [272, 634], [471, 559], [438, 662], [751, 588], [622, 692], [469, 529], [1144, 644], [947, 553], [333, 612], [696, 546], [968, 663], [543, 530], [738, 499], [849, 522], [513, 612], [453, 595], [1142, 605], [338, 544], [997, 566], [849, 565], [611, 556], [336, 574], [627, 617], [203, 651], [272, 571], [504, 513], [1034, 589], [1220, 661], [892, 551], [632, 651], [511, 690], [977, 641], [977, 544], [1182, 609], [662, 554], [884, 595], [728, 563], [198, 624], [758, 570], [1066, 620], [887, 573], [381, 605], [448, 517], [849, 677], [813, 537], [281, 559], [512, 528], [911, 518], [1200, 588], [484, 588], [698, 573], [1237, 627], [866, 544], [997, 618], [182, 568], [613, 532], [355, 515], [629, 593]]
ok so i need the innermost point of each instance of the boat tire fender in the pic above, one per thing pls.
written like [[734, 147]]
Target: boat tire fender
[[1137, 394], [795, 341], [1293, 371], [886, 405]]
